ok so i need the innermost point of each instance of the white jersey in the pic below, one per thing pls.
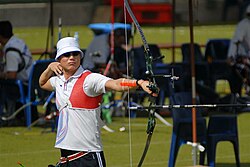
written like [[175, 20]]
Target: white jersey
[[78, 128], [13, 58], [242, 37]]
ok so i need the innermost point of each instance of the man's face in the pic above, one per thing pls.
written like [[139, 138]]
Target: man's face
[[70, 61]]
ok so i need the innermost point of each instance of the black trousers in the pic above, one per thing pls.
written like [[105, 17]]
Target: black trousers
[[92, 159]]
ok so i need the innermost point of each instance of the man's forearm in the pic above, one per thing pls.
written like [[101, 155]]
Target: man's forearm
[[45, 76]]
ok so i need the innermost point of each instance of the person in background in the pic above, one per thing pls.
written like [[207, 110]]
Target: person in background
[[239, 54], [78, 97], [98, 52], [16, 64], [240, 43]]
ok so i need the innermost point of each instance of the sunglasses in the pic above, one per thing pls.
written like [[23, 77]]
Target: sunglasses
[[68, 54]]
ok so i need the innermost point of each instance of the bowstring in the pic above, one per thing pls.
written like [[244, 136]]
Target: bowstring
[[128, 96]]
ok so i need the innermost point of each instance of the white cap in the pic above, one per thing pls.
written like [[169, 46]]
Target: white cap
[[67, 44]]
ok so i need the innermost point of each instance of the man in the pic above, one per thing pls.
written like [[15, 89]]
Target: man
[[78, 97], [239, 54], [98, 52], [240, 43], [16, 61]]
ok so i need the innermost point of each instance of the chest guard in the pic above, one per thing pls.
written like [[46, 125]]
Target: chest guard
[[78, 97]]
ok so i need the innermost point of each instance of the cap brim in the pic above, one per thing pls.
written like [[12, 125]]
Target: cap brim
[[66, 50]]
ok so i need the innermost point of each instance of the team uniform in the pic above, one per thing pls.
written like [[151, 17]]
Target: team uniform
[[78, 100], [242, 37], [13, 59]]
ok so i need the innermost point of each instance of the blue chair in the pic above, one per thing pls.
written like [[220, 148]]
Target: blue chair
[[217, 49], [182, 126], [36, 95], [202, 72], [186, 53], [222, 128], [19, 83], [166, 85], [216, 55]]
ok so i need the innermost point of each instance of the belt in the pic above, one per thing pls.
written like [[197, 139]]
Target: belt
[[72, 157]]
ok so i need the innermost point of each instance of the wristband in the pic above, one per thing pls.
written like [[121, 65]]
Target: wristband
[[127, 83]]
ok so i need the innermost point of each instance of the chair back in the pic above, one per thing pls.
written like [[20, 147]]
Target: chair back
[[183, 98], [216, 55], [186, 53], [34, 90], [162, 69], [163, 83], [183, 114], [139, 61], [216, 49], [156, 53]]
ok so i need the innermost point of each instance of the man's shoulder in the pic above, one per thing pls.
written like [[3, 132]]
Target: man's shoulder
[[15, 42], [244, 22]]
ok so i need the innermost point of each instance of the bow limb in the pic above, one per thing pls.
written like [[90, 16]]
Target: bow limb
[[152, 86]]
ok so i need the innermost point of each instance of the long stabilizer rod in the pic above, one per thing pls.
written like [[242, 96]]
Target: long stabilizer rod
[[188, 106]]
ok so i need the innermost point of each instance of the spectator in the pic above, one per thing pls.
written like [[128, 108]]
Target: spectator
[[16, 61], [239, 53], [98, 52], [240, 44], [79, 94]]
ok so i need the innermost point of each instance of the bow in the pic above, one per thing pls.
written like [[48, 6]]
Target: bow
[[152, 86]]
